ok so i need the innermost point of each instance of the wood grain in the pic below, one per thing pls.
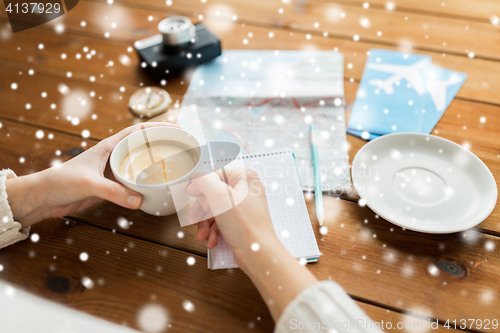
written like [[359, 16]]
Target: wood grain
[[104, 114], [442, 276], [352, 255], [24, 153], [480, 85], [395, 274], [340, 20], [466, 10], [129, 274], [112, 115], [405, 257]]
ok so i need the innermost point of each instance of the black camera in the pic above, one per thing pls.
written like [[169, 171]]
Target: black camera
[[179, 45]]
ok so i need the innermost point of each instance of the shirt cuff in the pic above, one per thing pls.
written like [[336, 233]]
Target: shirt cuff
[[10, 231], [324, 307]]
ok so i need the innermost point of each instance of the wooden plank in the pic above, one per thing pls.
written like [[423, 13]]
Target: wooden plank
[[345, 245], [24, 153], [474, 10], [353, 256], [112, 114], [130, 274], [103, 114], [345, 20], [20, 142], [476, 283], [348, 240], [441, 276], [480, 85]]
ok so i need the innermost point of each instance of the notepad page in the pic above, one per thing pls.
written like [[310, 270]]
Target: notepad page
[[287, 208]]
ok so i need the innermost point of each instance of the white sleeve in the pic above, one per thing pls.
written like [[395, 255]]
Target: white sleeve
[[10, 230], [325, 307]]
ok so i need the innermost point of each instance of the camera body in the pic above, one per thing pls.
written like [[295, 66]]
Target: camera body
[[179, 46]]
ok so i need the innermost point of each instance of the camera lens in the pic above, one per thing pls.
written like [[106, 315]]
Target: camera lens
[[177, 31]]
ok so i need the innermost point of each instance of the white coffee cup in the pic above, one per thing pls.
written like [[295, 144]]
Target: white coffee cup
[[157, 198]]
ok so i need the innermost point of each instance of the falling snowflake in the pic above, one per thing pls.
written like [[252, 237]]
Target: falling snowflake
[[487, 296], [59, 28], [285, 234], [389, 5], [152, 318], [35, 238], [123, 223], [470, 236], [84, 256], [365, 23], [269, 143], [433, 270], [323, 230], [188, 306], [9, 291], [87, 282], [407, 270], [489, 246]]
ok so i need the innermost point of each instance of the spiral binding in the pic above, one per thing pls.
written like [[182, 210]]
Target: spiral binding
[[249, 156]]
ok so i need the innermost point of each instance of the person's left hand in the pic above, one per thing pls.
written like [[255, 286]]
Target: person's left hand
[[72, 186]]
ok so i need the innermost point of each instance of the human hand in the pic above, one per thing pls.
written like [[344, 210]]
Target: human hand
[[247, 223], [72, 186]]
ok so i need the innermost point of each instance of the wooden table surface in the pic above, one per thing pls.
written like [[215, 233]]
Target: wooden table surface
[[383, 267]]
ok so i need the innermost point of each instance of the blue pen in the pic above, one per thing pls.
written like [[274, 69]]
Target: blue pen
[[317, 177]]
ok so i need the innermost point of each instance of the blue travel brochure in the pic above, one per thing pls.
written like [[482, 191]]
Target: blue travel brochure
[[401, 92]]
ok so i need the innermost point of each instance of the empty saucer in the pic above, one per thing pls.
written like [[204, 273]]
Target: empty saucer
[[424, 182]]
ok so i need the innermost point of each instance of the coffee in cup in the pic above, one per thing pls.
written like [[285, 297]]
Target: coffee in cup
[[158, 162]]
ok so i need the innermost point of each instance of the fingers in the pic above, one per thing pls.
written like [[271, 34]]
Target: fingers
[[194, 190], [116, 193], [213, 237], [109, 143], [197, 213], [209, 186], [203, 230], [209, 231]]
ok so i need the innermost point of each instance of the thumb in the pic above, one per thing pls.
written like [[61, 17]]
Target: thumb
[[206, 184], [217, 192], [117, 193]]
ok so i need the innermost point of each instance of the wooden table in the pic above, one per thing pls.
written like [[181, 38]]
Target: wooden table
[[384, 268]]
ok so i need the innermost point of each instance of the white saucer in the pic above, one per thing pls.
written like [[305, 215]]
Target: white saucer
[[424, 182]]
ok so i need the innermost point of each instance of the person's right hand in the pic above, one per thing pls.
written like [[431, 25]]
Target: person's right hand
[[247, 223], [248, 231]]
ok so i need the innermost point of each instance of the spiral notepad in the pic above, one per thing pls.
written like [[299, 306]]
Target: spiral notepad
[[287, 208]]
